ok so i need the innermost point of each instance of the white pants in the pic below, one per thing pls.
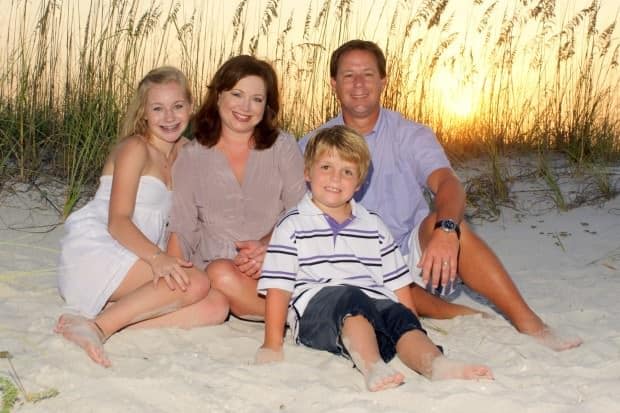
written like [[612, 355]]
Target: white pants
[[412, 260]]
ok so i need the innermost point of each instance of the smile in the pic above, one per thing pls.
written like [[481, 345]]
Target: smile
[[171, 128], [242, 118]]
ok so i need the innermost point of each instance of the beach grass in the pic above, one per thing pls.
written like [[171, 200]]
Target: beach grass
[[524, 77]]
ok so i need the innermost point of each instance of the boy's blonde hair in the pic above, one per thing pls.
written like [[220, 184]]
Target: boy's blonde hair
[[350, 145], [134, 122]]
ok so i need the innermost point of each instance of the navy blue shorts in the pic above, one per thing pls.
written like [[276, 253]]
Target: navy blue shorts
[[322, 322]]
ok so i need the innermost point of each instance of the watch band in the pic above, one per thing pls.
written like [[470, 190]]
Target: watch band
[[449, 225]]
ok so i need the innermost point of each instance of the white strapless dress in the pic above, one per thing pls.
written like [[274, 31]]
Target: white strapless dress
[[92, 263]]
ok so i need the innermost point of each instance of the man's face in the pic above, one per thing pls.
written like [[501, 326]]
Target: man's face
[[358, 84]]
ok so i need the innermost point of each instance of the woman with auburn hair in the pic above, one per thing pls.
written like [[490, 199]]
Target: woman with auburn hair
[[234, 180]]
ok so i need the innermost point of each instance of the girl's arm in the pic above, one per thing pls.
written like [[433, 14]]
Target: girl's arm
[[276, 307], [131, 161]]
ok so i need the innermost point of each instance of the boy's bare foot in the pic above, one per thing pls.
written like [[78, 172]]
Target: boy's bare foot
[[380, 376], [552, 339], [84, 333], [445, 369]]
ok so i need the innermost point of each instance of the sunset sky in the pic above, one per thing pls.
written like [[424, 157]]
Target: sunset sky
[[456, 83]]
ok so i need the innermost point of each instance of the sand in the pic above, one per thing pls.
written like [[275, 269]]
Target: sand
[[567, 265]]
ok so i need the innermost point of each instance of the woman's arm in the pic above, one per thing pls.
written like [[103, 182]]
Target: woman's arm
[[184, 226], [291, 166]]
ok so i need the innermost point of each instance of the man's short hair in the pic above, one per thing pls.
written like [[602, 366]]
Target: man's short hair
[[350, 145], [357, 44]]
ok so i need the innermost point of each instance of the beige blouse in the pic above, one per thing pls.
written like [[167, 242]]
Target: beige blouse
[[210, 210]]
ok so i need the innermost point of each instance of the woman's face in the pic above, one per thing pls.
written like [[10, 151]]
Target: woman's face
[[242, 107]]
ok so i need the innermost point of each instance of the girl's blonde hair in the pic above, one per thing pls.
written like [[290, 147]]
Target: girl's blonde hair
[[134, 122], [350, 145]]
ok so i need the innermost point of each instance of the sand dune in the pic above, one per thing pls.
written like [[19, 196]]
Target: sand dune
[[567, 265]]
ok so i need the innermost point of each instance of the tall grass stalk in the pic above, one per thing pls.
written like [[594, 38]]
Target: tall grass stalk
[[519, 76]]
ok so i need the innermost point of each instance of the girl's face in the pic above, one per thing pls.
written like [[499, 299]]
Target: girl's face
[[167, 111], [242, 107]]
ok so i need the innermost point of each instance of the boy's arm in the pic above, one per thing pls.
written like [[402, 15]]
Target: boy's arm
[[276, 308], [406, 298]]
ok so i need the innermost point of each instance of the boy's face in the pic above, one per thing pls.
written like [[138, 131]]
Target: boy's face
[[333, 181]]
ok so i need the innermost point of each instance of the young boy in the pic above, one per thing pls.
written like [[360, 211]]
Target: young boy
[[333, 271]]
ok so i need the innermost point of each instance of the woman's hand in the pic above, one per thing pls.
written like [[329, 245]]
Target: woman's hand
[[250, 257], [170, 269]]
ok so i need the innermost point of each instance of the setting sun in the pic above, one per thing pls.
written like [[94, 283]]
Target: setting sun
[[457, 97]]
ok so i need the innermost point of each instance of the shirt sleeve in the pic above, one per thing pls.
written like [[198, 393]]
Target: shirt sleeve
[[396, 274], [291, 166], [281, 264], [184, 211], [426, 153]]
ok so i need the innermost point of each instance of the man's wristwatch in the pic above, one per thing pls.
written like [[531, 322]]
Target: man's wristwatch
[[449, 226]]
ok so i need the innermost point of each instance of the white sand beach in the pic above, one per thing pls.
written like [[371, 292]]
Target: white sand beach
[[567, 265]]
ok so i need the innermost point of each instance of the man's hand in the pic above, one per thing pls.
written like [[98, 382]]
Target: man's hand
[[439, 262]]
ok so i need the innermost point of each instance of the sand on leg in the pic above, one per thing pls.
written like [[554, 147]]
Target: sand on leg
[[419, 353], [358, 336], [138, 301], [86, 334], [482, 271]]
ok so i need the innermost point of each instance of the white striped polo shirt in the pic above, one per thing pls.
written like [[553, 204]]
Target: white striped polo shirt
[[305, 255]]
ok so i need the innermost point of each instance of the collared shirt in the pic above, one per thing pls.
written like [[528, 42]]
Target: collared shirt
[[404, 154], [301, 257], [211, 209]]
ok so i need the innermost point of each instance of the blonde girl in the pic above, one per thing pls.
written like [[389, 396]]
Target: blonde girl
[[113, 271]]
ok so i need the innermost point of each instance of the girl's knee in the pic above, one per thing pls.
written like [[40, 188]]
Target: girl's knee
[[198, 289], [213, 309]]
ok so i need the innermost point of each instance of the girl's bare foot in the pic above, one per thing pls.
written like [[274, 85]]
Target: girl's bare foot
[[446, 369], [552, 339], [380, 376], [84, 333]]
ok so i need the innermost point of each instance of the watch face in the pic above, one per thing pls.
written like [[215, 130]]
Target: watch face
[[448, 225]]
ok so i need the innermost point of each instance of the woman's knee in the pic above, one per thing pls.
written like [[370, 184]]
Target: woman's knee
[[223, 275]]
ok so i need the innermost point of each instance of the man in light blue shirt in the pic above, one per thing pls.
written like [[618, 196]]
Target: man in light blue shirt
[[407, 159]]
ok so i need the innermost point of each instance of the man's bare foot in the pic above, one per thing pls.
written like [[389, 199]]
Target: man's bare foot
[[84, 333], [380, 376], [445, 369], [552, 339]]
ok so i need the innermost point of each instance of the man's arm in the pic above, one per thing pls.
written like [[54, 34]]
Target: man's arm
[[439, 261], [406, 298], [449, 194]]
